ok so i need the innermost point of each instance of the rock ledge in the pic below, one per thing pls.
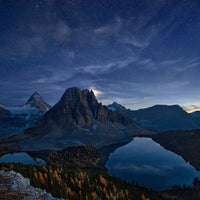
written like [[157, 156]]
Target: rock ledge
[[14, 186]]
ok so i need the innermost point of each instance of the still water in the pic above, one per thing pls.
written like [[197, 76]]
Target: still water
[[150, 165], [21, 157]]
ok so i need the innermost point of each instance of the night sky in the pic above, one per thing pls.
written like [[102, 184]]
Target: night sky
[[136, 52]]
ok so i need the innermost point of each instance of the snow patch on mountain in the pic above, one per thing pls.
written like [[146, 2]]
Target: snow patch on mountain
[[112, 108], [23, 110]]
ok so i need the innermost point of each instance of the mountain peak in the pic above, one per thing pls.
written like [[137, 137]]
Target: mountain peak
[[76, 90], [79, 110], [34, 97], [37, 101], [115, 106], [36, 94], [167, 107], [74, 95], [73, 90]]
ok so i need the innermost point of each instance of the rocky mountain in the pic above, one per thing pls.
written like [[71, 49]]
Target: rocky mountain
[[78, 118], [38, 102], [118, 108], [15, 119], [34, 105], [159, 117]]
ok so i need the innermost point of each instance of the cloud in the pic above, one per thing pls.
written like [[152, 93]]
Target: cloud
[[191, 108], [97, 93], [53, 76], [109, 29], [53, 33], [109, 67], [181, 64], [188, 64], [136, 41]]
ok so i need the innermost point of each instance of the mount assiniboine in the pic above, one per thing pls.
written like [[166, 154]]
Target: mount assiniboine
[[13, 120], [38, 102]]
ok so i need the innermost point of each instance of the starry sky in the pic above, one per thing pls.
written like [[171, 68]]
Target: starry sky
[[138, 53]]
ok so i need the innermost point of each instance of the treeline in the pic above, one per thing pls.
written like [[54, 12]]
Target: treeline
[[73, 184], [185, 192], [76, 156]]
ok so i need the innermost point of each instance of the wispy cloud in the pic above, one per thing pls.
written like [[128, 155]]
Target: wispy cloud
[[191, 108], [105, 68], [181, 64]]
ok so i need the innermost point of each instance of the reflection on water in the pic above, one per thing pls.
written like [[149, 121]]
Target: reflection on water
[[150, 165], [21, 158]]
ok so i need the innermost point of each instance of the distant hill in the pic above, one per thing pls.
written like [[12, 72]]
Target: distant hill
[[159, 117]]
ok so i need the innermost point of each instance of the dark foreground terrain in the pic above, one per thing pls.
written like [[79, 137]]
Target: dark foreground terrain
[[81, 183]]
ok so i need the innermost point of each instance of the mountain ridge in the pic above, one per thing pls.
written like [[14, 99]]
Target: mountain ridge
[[79, 117], [159, 116]]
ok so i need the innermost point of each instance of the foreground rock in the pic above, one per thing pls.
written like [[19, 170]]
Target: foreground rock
[[14, 186]]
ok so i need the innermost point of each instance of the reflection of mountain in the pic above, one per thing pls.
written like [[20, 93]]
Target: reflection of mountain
[[78, 118], [159, 116]]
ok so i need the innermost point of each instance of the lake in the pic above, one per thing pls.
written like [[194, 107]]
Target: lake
[[150, 165], [21, 157]]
